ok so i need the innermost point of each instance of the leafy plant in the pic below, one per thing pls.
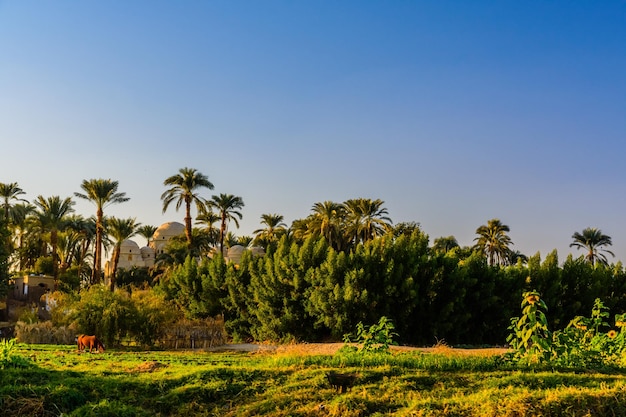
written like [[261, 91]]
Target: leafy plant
[[9, 356], [530, 336], [375, 338]]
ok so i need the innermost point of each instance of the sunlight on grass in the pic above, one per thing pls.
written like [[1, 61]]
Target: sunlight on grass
[[438, 383]]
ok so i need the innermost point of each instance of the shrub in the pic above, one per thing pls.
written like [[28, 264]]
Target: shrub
[[375, 338], [585, 342], [9, 357]]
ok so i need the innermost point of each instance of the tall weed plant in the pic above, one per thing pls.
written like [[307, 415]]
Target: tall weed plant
[[375, 338], [588, 342], [9, 357]]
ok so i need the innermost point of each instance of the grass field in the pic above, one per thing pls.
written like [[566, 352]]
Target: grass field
[[59, 381]]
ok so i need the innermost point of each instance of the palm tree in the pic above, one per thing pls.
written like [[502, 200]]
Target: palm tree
[[275, 228], [327, 221], [366, 219], [444, 244], [101, 192], [516, 256], [86, 232], [493, 241], [119, 230], [208, 218], [593, 241], [182, 189], [8, 193], [146, 231], [19, 214], [227, 205], [52, 217]]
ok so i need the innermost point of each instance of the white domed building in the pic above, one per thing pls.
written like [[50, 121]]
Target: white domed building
[[164, 233], [131, 255]]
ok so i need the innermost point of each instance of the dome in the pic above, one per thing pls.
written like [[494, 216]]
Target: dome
[[168, 230], [234, 253], [147, 252], [129, 246], [257, 251], [148, 256], [236, 250]]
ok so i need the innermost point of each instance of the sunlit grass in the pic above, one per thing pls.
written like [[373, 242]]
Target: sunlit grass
[[438, 383]]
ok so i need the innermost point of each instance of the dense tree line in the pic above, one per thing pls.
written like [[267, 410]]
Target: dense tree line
[[345, 263], [309, 291]]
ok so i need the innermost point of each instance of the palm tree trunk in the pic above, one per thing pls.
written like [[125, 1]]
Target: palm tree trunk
[[222, 230], [97, 262], [188, 222], [116, 260], [55, 258]]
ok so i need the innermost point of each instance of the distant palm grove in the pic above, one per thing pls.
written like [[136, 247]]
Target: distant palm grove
[[344, 263]]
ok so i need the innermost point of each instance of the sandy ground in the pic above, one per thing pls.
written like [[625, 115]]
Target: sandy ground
[[331, 348]]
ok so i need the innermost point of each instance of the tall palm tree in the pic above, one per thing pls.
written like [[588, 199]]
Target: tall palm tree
[[102, 193], [146, 231], [52, 217], [327, 221], [227, 205], [19, 215], [444, 244], [366, 219], [273, 230], [208, 218], [592, 240], [119, 230], [183, 187], [493, 241], [86, 232], [516, 256], [9, 193]]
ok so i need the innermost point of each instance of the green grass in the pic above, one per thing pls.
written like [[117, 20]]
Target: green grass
[[60, 381]]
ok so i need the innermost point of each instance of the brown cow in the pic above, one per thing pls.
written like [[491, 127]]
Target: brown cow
[[92, 342]]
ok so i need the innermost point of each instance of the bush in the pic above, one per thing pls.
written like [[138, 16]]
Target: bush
[[9, 357], [141, 315], [375, 338]]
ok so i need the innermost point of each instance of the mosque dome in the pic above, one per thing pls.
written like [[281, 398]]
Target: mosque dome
[[147, 252], [167, 231], [234, 253], [257, 251], [129, 247]]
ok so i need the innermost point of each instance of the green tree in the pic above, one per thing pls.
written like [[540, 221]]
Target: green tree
[[208, 218], [327, 221], [102, 193], [85, 229], [4, 259], [52, 218], [146, 231], [228, 206], [273, 230], [593, 241], [183, 190], [9, 193], [119, 230], [444, 244], [18, 227], [493, 241], [366, 219]]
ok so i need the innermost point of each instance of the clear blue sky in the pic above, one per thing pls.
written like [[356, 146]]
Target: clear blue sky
[[452, 112]]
